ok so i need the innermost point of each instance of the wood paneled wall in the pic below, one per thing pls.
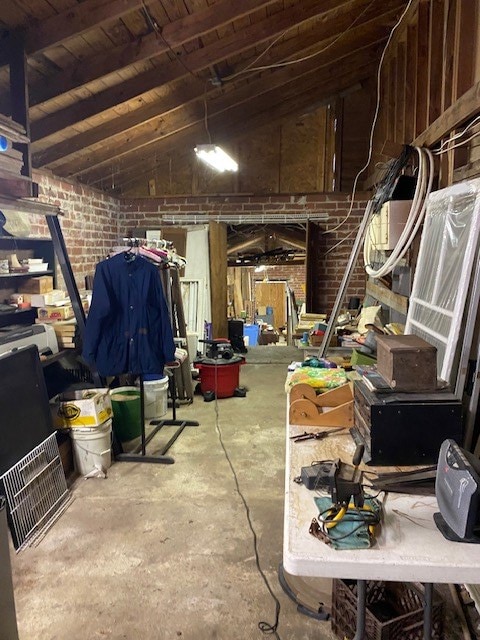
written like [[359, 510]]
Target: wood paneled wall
[[295, 155], [429, 86]]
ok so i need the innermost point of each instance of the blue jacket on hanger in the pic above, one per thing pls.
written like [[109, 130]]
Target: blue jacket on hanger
[[128, 327]]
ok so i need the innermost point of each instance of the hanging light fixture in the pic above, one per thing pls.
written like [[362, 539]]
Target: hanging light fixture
[[216, 157]]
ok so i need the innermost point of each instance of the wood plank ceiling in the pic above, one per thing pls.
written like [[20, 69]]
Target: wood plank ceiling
[[115, 84]]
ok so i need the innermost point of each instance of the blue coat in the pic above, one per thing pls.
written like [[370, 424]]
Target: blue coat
[[128, 327]]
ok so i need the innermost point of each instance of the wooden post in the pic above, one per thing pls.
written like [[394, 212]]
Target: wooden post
[[19, 96], [217, 233]]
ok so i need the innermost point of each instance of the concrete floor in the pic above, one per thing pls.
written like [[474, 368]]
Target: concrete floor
[[160, 552]]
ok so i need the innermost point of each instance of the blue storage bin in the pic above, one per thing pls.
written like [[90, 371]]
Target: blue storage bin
[[252, 331]]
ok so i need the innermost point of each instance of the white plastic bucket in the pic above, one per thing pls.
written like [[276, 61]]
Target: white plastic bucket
[[92, 447], [155, 400]]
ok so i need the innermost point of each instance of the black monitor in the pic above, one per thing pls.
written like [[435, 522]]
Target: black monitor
[[25, 419]]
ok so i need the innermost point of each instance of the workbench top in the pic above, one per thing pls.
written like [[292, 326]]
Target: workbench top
[[409, 547]]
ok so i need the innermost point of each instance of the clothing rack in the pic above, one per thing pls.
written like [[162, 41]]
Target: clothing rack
[[140, 453], [173, 295], [171, 287]]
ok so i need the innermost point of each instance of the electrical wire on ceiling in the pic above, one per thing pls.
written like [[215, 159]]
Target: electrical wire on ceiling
[[443, 149], [446, 144], [205, 113], [250, 68], [157, 29], [375, 117]]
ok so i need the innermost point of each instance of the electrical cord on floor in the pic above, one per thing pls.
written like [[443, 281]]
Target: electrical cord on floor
[[265, 627]]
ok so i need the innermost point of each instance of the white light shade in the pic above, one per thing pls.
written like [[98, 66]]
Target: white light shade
[[216, 157], [260, 268]]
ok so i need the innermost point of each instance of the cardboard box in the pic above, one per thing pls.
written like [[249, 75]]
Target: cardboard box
[[51, 313], [43, 299], [83, 408], [43, 284]]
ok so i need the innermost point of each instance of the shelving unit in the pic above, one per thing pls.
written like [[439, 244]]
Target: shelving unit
[[19, 195], [11, 282]]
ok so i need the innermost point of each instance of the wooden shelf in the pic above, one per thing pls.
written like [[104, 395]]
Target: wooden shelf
[[46, 360], [14, 311], [26, 273]]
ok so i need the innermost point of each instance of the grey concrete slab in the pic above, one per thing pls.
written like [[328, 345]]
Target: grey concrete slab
[[160, 552], [165, 552]]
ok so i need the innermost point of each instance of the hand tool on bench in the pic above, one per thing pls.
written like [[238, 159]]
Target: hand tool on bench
[[319, 435], [333, 408]]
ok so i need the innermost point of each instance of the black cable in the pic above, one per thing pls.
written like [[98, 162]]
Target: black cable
[[158, 31], [265, 627], [365, 517], [385, 187]]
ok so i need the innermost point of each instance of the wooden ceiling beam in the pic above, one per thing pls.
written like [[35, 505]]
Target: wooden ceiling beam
[[75, 21], [319, 68], [245, 244], [295, 238], [173, 35], [230, 129], [154, 113], [196, 61], [272, 106]]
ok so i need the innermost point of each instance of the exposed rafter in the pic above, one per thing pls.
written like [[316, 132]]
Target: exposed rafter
[[195, 61], [148, 120], [126, 88], [237, 123], [171, 36]]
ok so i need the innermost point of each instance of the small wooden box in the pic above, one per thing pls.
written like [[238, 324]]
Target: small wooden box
[[43, 284], [408, 363]]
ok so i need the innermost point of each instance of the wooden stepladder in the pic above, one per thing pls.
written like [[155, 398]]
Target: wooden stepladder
[[334, 408]]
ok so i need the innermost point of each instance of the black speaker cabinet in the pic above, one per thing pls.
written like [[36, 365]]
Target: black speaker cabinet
[[404, 428]]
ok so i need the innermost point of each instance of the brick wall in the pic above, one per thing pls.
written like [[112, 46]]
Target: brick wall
[[89, 224], [93, 222], [148, 213]]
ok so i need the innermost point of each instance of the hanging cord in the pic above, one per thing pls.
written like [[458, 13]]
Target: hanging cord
[[158, 32], [384, 188], [265, 627], [286, 63], [375, 118], [205, 112], [447, 144]]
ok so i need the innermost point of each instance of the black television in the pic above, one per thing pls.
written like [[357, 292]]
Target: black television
[[25, 419]]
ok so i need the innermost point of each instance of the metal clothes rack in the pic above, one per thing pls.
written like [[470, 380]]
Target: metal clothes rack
[[139, 454]]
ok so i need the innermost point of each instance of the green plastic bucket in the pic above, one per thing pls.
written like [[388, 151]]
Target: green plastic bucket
[[126, 413]]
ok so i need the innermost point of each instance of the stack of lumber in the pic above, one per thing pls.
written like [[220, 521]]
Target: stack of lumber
[[65, 331], [11, 163]]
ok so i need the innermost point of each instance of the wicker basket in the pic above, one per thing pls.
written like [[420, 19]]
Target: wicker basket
[[394, 611]]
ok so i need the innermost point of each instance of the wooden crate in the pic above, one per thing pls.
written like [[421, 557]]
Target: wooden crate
[[407, 362]]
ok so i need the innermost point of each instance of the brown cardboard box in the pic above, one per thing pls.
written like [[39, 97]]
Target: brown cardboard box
[[42, 284], [407, 362], [83, 408], [49, 313]]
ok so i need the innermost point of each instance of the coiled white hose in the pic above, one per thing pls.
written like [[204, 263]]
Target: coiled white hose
[[415, 218]]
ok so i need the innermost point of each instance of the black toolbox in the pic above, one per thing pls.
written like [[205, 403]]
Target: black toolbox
[[404, 428]]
